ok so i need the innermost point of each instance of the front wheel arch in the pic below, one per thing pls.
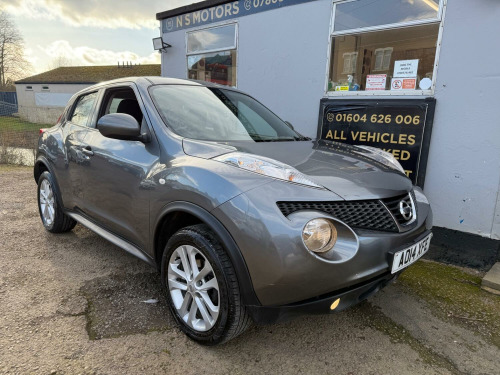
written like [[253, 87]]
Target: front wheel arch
[[198, 215]]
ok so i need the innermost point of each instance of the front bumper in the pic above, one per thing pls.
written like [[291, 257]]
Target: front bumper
[[321, 305], [283, 272]]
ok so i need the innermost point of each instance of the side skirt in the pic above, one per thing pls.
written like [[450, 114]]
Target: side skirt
[[127, 246]]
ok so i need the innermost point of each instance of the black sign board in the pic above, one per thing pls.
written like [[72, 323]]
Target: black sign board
[[399, 126]]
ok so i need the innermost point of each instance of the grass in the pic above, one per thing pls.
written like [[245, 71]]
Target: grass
[[9, 123], [14, 168], [15, 132], [455, 295]]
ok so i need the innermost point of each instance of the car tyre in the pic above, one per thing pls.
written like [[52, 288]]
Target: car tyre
[[210, 287], [53, 218]]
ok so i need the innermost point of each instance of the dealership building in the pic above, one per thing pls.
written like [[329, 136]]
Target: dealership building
[[417, 78]]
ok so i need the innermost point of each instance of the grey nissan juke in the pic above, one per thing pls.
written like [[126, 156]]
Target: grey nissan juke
[[245, 218]]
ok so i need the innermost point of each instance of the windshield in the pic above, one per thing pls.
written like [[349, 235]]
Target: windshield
[[217, 114]]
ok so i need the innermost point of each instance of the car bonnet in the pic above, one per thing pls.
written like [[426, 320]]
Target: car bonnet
[[348, 171]]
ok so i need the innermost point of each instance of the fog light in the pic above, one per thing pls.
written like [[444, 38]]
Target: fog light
[[319, 235], [335, 303]]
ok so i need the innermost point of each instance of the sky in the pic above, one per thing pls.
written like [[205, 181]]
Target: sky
[[88, 32]]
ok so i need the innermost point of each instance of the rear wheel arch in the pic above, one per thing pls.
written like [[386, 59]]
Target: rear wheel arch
[[43, 165], [39, 168], [178, 215]]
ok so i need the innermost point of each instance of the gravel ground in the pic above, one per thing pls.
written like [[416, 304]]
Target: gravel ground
[[75, 304]]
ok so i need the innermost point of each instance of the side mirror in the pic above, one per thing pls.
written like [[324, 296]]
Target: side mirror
[[120, 126], [289, 125]]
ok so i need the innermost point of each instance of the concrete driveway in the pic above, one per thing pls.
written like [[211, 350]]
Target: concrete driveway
[[75, 304]]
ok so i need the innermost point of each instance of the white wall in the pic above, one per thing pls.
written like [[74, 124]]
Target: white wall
[[463, 173], [282, 58], [30, 111]]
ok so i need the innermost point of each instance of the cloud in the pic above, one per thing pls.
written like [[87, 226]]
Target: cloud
[[113, 14], [83, 55]]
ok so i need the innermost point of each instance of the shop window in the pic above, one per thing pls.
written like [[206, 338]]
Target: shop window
[[211, 54], [373, 49]]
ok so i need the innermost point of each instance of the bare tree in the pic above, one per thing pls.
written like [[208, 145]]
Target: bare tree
[[59, 61], [13, 64]]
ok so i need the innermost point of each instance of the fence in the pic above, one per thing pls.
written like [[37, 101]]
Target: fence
[[18, 138]]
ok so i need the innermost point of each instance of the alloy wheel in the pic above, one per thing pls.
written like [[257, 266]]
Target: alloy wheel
[[47, 206], [194, 288]]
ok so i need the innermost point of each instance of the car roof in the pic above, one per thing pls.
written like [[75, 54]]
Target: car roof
[[156, 80]]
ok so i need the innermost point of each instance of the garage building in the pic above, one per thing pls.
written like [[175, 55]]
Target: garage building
[[42, 97]]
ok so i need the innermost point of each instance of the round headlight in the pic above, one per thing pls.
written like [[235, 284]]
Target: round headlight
[[319, 235]]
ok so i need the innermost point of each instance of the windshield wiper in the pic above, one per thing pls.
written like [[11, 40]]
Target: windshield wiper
[[302, 138], [269, 138]]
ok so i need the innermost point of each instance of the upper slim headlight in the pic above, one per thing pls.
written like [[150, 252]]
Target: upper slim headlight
[[383, 157], [266, 167]]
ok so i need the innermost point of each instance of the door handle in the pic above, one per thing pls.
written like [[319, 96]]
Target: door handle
[[87, 150]]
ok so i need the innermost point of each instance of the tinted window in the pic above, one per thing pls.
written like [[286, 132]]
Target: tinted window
[[216, 114], [83, 109]]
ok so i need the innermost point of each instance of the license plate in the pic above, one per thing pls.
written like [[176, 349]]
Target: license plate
[[411, 254]]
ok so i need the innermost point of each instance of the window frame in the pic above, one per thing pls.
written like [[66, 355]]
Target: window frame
[[383, 50], [332, 33], [351, 55], [213, 26]]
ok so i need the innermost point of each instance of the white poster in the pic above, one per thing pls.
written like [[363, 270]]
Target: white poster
[[405, 68], [52, 99], [375, 82]]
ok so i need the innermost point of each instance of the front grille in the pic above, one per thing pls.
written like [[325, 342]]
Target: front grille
[[393, 204], [367, 214]]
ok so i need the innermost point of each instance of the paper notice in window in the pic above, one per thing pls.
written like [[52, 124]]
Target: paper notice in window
[[375, 82], [405, 68]]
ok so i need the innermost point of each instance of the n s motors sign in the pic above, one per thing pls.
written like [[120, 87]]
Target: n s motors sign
[[401, 127], [223, 11]]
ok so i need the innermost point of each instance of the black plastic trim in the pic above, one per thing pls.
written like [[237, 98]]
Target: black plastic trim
[[43, 160]]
